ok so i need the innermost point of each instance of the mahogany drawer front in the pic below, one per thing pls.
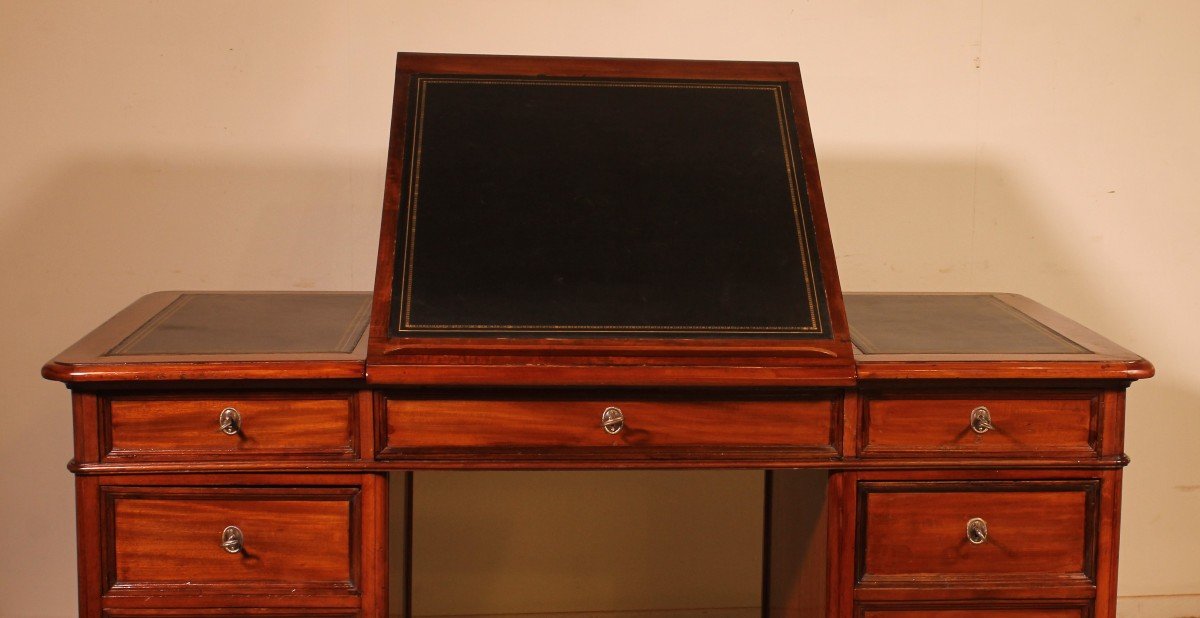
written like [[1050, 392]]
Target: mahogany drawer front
[[977, 533], [230, 613], [190, 426], [425, 427], [170, 540], [988, 423], [975, 612]]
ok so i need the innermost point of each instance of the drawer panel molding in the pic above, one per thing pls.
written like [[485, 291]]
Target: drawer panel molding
[[178, 540], [233, 426], [980, 423], [977, 534], [978, 609], [230, 613], [610, 426]]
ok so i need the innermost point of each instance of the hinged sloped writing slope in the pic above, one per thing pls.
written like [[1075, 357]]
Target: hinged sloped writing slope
[[558, 220]]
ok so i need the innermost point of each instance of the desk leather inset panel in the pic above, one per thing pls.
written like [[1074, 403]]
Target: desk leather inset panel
[[949, 324], [252, 323], [593, 207]]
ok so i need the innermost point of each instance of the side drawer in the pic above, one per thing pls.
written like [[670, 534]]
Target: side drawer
[[230, 613], [977, 534], [1012, 423], [549, 426], [170, 540], [228, 426], [976, 610]]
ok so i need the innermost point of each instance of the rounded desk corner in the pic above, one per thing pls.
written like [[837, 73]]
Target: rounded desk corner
[[160, 294], [1140, 369], [58, 372]]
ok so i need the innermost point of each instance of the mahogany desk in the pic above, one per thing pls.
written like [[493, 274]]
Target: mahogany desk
[[599, 264], [194, 412]]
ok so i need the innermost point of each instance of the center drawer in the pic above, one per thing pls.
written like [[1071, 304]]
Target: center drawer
[[552, 425]]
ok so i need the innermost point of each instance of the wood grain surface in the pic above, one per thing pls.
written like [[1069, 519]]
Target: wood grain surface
[[174, 426], [170, 538], [920, 533], [427, 426], [1027, 423]]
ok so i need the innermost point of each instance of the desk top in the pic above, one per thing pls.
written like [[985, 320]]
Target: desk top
[[320, 335], [594, 215], [224, 336]]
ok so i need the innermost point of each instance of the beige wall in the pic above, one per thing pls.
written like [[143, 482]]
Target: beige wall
[[1045, 148]]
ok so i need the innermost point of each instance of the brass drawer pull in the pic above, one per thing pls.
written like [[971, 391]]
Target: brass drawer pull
[[230, 421], [977, 531], [231, 539], [981, 420], [612, 419]]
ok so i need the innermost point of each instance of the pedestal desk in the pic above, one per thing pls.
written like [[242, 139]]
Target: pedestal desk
[[618, 264]]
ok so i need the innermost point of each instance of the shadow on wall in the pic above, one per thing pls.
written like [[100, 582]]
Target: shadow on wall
[[85, 241], [947, 225], [141, 221], [953, 225]]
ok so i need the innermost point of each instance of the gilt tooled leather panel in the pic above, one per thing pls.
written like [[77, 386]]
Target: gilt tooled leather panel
[[604, 207], [948, 324], [252, 323]]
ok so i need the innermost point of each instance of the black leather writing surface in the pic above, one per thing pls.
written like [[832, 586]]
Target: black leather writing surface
[[252, 323], [948, 324], [596, 207]]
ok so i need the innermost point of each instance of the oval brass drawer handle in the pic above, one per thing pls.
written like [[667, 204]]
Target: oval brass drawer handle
[[977, 531], [612, 419], [230, 421], [231, 539], [981, 420]]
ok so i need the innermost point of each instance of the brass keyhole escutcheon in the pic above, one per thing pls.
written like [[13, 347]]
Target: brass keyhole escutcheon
[[612, 420], [981, 420], [977, 530], [230, 421], [231, 539]]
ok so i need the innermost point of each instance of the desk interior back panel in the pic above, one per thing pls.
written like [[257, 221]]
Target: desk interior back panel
[[504, 543]]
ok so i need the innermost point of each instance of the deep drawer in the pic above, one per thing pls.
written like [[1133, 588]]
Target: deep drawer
[[230, 613], [231, 540], [975, 612], [215, 426], [429, 427], [977, 533], [1007, 423]]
